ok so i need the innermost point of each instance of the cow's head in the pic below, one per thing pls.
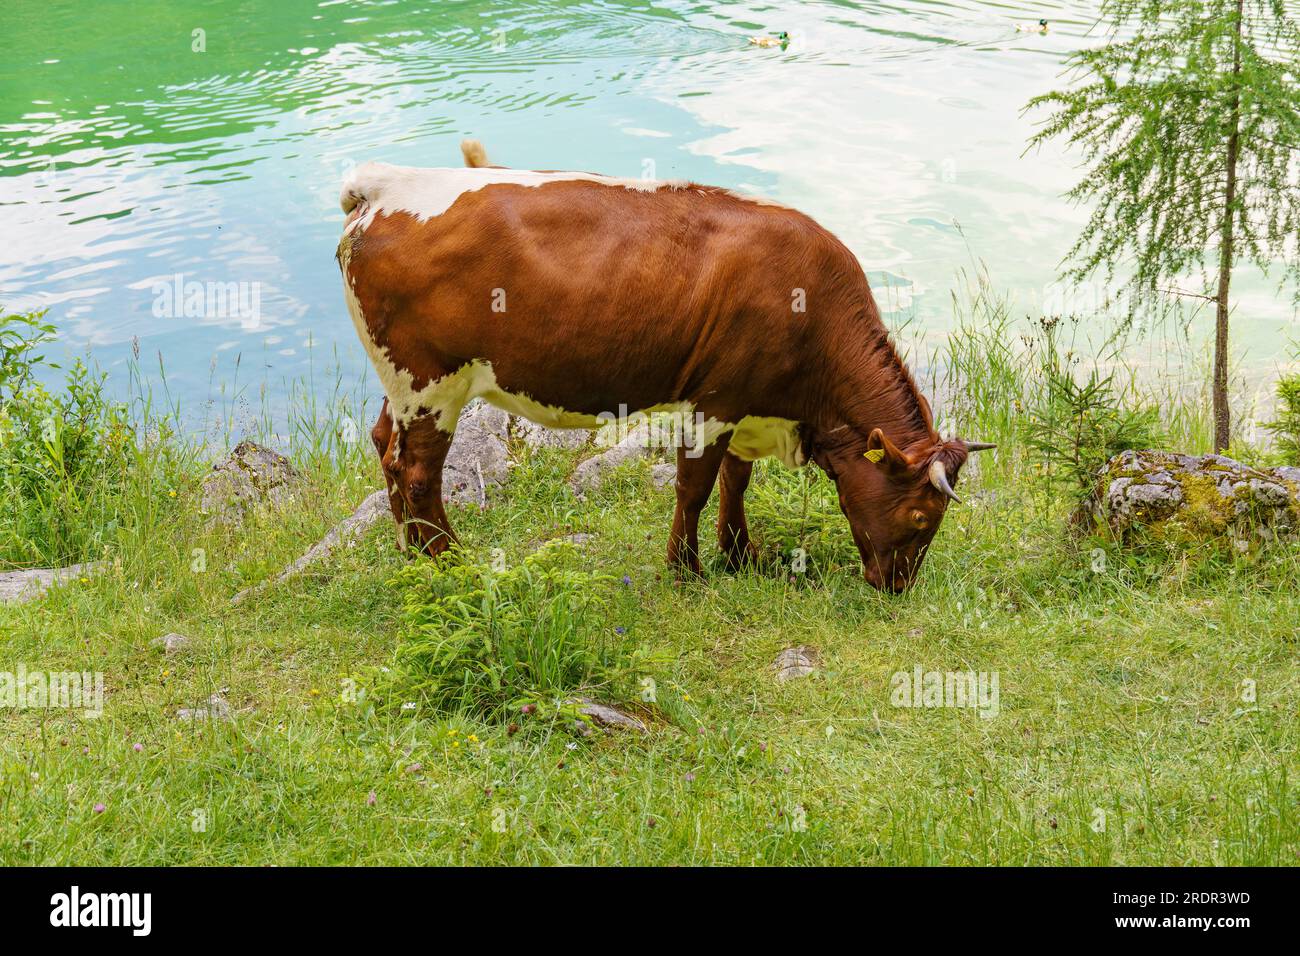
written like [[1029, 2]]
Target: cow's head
[[414, 486], [893, 497]]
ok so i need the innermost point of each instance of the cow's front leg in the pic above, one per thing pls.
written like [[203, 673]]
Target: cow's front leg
[[695, 478], [733, 532]]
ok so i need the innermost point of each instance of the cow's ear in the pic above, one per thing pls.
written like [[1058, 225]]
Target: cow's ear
[[885, 453]]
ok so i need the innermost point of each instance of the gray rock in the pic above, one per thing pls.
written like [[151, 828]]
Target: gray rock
[[250, 475], [214, 708], [539, 436], [344, 534], [606, 716], [19, 587], [478, 459], [663, 474], [1186, 498], [795, 662], [174, 643], [591, 473]]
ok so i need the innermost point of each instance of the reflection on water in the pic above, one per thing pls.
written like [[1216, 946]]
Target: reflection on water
[[145, 148]]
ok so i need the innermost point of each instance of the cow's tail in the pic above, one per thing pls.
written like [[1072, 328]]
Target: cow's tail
[[474, 153]]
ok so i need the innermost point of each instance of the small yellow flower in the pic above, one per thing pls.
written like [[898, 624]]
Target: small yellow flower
[[455, 743], [452, 732], [171, 494], [686, 696], [315, 692], [473, 738], [166, 672]]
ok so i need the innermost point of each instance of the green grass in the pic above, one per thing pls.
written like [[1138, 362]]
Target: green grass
[[1127, 732], [1119, 691]]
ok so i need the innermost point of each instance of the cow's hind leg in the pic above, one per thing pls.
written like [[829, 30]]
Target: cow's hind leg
[[695, 478], [733, 532]]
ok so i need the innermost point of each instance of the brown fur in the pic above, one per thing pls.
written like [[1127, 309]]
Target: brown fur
[[640, 298]]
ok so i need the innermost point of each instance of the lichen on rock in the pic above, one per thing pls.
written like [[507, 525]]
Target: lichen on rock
[[250, 475], [1190, 499]]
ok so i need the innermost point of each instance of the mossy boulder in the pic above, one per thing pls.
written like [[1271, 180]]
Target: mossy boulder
[[250, 475], [1192, 499]]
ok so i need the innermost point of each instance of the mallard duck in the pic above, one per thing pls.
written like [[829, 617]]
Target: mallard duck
[[1039, 27], [781, 39]]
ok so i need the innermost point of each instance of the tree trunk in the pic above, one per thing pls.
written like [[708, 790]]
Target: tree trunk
[[1222, 415]]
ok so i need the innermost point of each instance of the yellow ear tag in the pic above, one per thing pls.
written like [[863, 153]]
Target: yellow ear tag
[[876, 455]]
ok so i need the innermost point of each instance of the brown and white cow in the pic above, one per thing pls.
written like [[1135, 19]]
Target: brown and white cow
[[564, 296]]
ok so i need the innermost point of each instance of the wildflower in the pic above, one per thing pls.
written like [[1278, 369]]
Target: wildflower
[[171, 494], [620, 630], [686, 697], [689, 778], [371, 798], [528, 709], [512, 730], [414, 768], [138, 747], [455, 743], [627, 580], [314, 692], [472, 738], [100, 808]]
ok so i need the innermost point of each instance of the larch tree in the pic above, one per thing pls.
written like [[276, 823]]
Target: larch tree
[[1188, 119]]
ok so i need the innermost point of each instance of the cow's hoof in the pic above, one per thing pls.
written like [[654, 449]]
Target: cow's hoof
[[687, 573], [740, 557]]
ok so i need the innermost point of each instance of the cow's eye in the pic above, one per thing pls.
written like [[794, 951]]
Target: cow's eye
[[920, 519]]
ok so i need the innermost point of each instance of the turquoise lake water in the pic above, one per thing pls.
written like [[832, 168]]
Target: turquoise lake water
[[141, 141]]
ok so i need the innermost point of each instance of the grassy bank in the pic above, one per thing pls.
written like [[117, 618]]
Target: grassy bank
[[1126, 730]]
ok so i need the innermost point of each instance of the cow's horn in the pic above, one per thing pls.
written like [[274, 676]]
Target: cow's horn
[[939, 478], [978, 445]]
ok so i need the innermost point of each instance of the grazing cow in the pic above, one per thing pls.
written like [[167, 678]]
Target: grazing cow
[[562, 296]]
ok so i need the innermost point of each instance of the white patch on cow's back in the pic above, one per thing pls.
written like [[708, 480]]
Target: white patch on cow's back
[[425, 193], [429, 192]]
